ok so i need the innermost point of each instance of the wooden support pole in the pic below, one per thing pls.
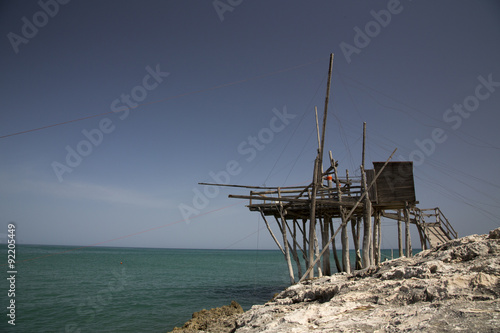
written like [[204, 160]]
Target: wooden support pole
[[293, 248], [376, 238], [355, 236], [334, 248], [400, 235], [354, 229], [367, 259], [407, 231], [292, 233], [379, 241], [367, 216], [325, 236], [285, 241], [304, 242], [287, 249], [364, 144], [316, 252], [271, 232], [318, 165], [317, 128], [330, 69], [346, 263], [346, 260], [295, 244], [312, 223], [358, 232], [298, 226]]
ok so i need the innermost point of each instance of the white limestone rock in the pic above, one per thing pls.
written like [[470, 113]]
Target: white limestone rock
[[453, 287]]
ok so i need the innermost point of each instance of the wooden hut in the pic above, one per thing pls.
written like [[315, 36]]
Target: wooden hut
[[305, 215]]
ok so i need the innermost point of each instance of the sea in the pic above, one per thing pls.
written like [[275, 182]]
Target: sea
[[110, 289]]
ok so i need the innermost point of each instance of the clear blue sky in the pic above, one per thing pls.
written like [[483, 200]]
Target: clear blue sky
[[192, 84]]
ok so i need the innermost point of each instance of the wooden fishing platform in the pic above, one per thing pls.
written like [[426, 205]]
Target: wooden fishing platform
[[393, 189], [305, 214]]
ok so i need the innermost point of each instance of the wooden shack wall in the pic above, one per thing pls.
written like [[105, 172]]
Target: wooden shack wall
[[395, 183]]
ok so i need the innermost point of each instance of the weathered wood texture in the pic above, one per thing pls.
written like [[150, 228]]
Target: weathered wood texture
[[395, 183]]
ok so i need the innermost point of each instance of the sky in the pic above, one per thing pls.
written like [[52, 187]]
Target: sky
[[114, 111]]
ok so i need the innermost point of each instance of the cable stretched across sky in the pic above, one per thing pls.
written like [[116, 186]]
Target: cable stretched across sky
[[169, 98]]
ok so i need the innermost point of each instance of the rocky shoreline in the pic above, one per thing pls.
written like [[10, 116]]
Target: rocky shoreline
[[221, 320], [452, 287]]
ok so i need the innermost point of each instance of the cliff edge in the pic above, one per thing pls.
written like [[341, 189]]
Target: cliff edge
[[452, 287]]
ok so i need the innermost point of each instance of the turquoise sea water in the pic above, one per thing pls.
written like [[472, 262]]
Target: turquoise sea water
[[98, 289], [62, 289]]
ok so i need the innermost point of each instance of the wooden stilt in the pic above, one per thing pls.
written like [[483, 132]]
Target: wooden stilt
[[292, 233], [355, 237], [317, 127], [346, 264], [372, 242], [354, 227], [271, 232], [358, 232], [367, 230], [295, 244], [379, 241], [293, 248], [318, 164], [325, 237], [334, 248], [376, 238], [287, 250], [304, 242], [330, 69], [364, 144], [312, 220], [400, 235], [407, 231], [285, 239], [316, 252]]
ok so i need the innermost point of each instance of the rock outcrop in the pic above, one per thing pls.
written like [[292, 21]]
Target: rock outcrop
[[453, 287], [220, 320]]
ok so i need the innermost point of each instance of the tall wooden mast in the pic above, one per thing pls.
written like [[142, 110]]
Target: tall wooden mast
[[317, 174]]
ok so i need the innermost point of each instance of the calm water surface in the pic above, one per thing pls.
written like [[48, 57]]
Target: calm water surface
[[98, 289]]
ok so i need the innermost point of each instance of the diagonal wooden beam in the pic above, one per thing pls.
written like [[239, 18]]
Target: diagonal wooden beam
[[271, 232]]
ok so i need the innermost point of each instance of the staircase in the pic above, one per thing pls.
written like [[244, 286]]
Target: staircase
[[433, 226]]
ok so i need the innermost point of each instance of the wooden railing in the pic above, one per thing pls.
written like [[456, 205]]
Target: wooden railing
[[439, 219], [445, 224], [287, 194]]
